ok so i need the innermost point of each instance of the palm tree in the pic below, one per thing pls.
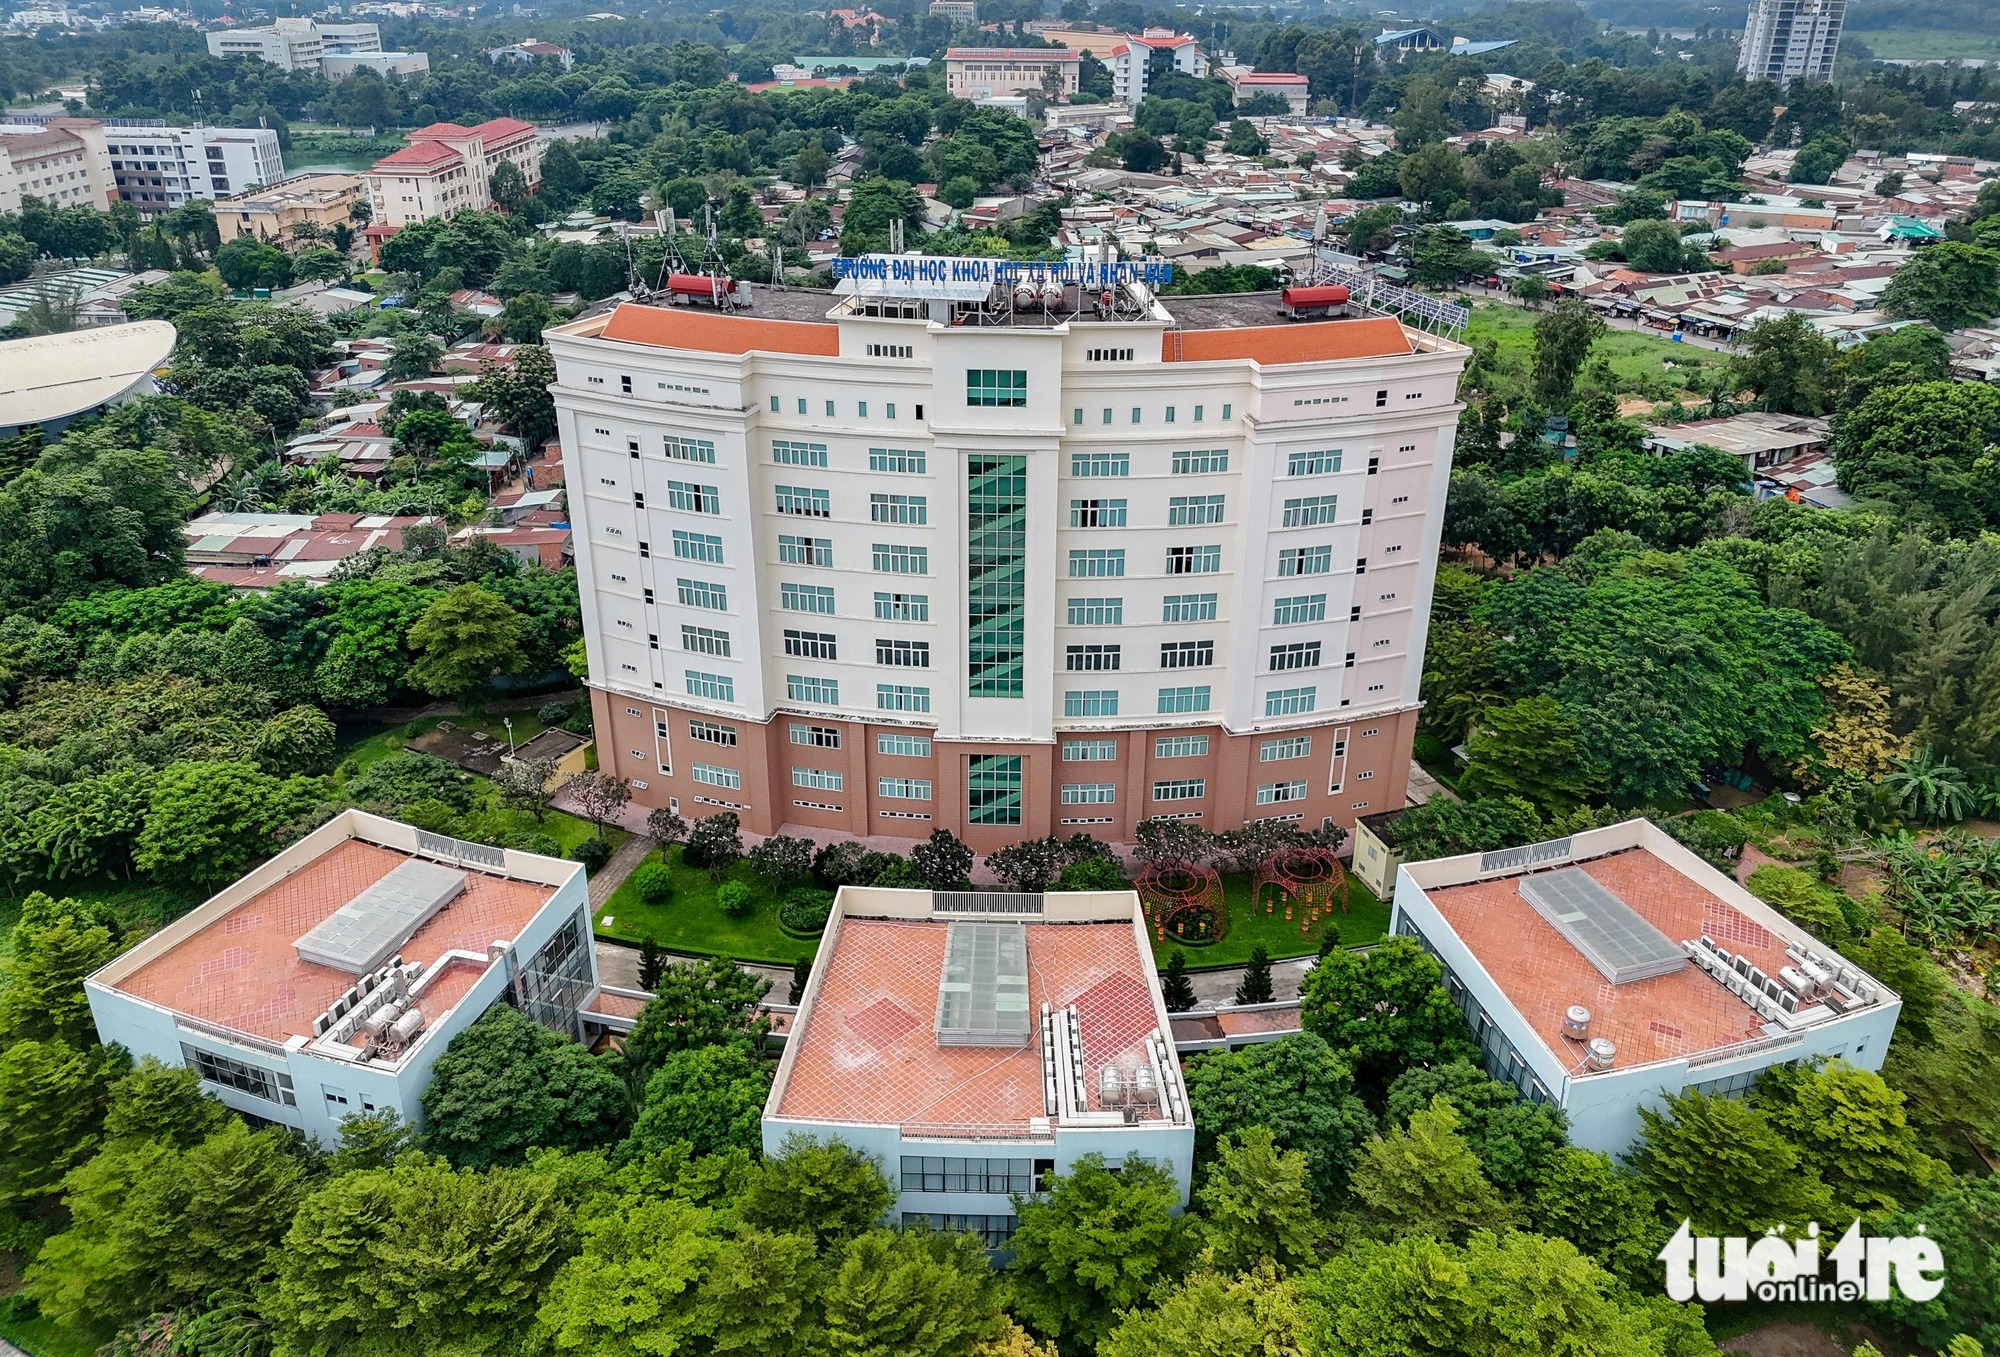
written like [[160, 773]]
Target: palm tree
[[1931, 788]]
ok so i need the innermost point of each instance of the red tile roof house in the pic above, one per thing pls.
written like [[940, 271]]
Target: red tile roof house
[[447, 169]]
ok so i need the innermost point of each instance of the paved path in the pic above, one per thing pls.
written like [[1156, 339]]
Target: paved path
[[618, 966], [1423, 786], [1214, 989], [612, 874]]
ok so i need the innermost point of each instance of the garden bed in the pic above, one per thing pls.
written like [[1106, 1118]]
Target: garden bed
[[1366, 921], [691, 921]]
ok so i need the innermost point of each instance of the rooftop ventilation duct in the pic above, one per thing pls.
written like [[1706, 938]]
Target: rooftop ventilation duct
[[367, 930]]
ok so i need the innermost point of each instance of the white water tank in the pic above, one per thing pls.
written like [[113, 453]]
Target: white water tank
[[1110, 1088], [1603, 1053], [1576, 1022]]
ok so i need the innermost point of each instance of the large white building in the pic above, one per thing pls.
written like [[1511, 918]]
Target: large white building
[[987, 72], [160, 168], [913, 559], [294, 44], [328, 981], [63, 161], [447, 169], [1610, 970], [1784, 39], [1135, 61], [975, 1044]]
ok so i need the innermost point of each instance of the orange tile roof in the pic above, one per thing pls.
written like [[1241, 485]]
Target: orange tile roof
[[867, 1052], [1542, 974], [687, 327], [1317, 342], [241, 971]]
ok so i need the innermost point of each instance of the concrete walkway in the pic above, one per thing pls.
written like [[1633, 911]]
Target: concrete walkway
[[1215, 989], [612, 874], [1423, 786]]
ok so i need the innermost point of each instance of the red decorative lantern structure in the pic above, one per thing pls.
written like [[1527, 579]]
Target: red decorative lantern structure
[[1185, 900], [1306, 875]]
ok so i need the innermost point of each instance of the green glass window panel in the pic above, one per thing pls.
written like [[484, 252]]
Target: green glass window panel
[[993, 789], [996, 499], [996, 386]]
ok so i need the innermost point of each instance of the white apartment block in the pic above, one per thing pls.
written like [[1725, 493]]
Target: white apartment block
[[62, 161], [1610, 970], [161, 168], [976, 1044], [986, 72], [295, 44], [447, 169], [1785, 39], [1134, 62], [885, 563], [328, 981]]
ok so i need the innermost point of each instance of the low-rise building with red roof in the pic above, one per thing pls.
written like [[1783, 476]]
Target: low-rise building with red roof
[[447, 169]]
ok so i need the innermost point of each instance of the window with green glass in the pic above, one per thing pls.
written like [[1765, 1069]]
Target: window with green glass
[[996, 386], [993, 789], [996, 507]]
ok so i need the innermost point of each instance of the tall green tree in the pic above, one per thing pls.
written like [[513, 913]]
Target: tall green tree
[[1424, 1179], [417, 1258], [1256, 1206], [1095, 1245], [1719, 1163], [506, 1085], [711, 1097], [52, 1098], [1950, 284], [1383, 1011], [1788, 364], [1850, 1129], [462, 641], [55, 944], [1562, 343], [1211, 1314], [1515, 1140], [924, 1293], [1964, 1218], [152, 1227], [1922, 447], [1298, 1089], [710, 1003], [825, 1189], [209, 820], [1530, 749]]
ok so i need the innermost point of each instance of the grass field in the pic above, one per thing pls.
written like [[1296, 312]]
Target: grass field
[[692, 922], [40, 1337], [1635, 357], [1905, 44], [1366, 920]]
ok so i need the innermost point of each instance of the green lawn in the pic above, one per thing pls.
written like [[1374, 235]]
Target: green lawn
[[39, 1337], [1904, 44], [1366, 921], [365, 745], [1635, 357], [692, 922]]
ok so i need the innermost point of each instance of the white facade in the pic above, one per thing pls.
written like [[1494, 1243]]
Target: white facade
[[1603, 1105], [295, 44], [311, 1082], [447, 169], [1217, 551], [388, 65], [1132, 61], [957, 1160], [62, 161], [162, 168], [1785, 39]]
